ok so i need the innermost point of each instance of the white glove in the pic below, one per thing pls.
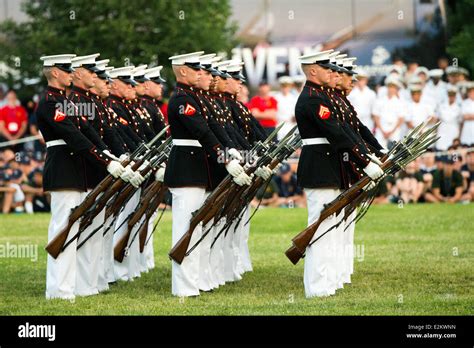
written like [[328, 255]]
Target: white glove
[[160, 174], [374, 159], [264, 172], [123, 157], [127, 174], [115, 169], [373, 171], [234, 168], [369, 186], [109, 154], [384, 151], [136, 179], [242, 179], [143, 166], [235, 154]]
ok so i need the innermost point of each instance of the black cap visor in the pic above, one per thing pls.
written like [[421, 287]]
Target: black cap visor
[[195, 66], [127, 79], [141, 78], [64, 67], [158, 80], [91, 67]]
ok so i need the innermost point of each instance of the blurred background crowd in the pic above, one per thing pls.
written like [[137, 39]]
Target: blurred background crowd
[[390, 107]]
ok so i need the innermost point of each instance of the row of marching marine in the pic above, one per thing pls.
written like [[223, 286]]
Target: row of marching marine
[[111, 158]]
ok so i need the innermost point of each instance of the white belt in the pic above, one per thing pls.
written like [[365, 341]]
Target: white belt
[[315, 141], [186, 142], [55, 143]]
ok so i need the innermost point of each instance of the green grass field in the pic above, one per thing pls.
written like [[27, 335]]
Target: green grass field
[[417, 260]]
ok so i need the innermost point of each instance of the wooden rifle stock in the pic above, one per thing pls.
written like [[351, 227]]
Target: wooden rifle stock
[[178, 252], [118, 202], [303, 239], [116, 187], [152, 207], [121, 247], [54, 247]]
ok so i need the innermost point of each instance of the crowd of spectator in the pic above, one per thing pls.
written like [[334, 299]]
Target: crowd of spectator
[[409, 95]]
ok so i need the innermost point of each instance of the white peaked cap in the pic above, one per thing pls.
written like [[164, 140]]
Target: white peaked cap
[[183, 59], [339, 59], [333, 55], [215, 60], [435, 73], [362, 73], [84, 60], [452, 88], [315, 57], [234, 67], [223, 64], [397, 68], [139, 70], [154, 74], [422, 69], [123, 71], [57, 59], [394, 80], [285, 80], [207, 58], [348, 62], [415, 87], [102, 64]]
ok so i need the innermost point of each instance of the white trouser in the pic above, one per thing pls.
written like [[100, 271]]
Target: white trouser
[[349, 247], [185, 277], [88, 258], [129, 267], [236, 241], [244, 242], [61, 272], [230, 261], [338, 256], [217, 255], [205, 277], [148, 251], [136, 233], [320, 271], [108, 245]]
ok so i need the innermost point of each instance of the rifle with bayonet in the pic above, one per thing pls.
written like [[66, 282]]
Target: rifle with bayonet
[[405, 151], [233, 207], [58, 243], [210, 206], [121, 246], [242, 198], [117, 186]]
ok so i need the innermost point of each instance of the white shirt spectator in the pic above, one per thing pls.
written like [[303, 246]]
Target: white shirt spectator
[[467, 108], [285, 112], [404, 93], [435, 94], [390, 111], [418, 113], [450, 117], [363, 100]]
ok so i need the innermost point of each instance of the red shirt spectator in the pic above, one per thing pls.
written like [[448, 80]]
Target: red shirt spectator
[[264, 107], [13, 118]]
